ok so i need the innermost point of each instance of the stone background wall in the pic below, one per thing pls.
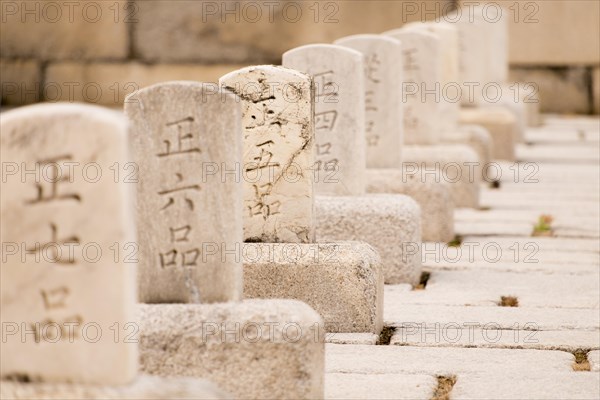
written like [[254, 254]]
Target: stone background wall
[[100, 50]]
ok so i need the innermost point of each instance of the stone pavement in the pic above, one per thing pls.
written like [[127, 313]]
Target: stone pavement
[[505, 314]]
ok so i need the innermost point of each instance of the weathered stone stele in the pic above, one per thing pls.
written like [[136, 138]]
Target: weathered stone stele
[[383, 88], [68, 279], [339, 115], [472, 45], [450, 90], [278, 153], [421, 80], [186, 143]]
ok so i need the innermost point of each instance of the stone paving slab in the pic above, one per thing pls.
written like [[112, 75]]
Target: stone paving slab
[[341, 358], [559, 386], [380, 386], [521, 267], [594, 360], [486, 288], [545, 244], [395, 313], [352, 338], [472, 336], [514, 250], [583, 153]]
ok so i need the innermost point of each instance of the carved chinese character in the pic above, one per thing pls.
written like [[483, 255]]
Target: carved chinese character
[[325, 86], [370, 103], [183, 188], [263, 160], [260, 206], [57, 176], [55, 298], [188, 258], [325, 120], [180, 234], [410, 63], [184, 140], [372, 64], [323, 149], [56, 244]]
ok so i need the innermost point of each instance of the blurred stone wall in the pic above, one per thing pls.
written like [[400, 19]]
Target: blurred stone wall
[[100, 50]]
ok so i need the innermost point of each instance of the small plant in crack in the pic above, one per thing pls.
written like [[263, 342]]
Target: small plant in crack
[[581, 361], [385, 337], [423, 281], [543, 226], [456, 242], [444, 387], [508, 301]]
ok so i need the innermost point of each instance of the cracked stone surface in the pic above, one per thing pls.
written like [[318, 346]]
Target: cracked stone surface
[[278, 153]]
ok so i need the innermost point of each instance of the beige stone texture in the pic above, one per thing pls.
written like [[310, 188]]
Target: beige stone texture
[[456, 165], [339, 115], [61, 284], [365, 359], [61, 30], [383, 107], [109, 83], [501, 125], [278, 152], [476, 137], [594, 360], [453, 335], [380, 386], [390, 223], [434, 199], [20, 82], [550, 32], [571, 82], [555, 386], [596, 89], [187, 216], [144, 387], [260, 33], [255, 349], [352, 338], [342, 281], [421, 72]]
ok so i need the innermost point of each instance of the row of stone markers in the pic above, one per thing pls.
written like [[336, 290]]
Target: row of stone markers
[[283, 185]]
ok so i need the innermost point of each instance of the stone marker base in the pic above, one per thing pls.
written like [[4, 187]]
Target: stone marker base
[[456, 165], [390, 223], [342, 281], [501, 125], [434, 198], [476, 137], [254, 349], [144, 387]]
